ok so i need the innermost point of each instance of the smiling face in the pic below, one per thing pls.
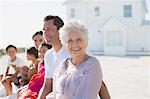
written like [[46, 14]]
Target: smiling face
[[42, 51], [76, 44], [12, 52], [30, 57], [50, 31], [38, 39]]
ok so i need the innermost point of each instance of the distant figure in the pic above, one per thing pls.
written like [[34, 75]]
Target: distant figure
[[17, 64], [79, 77], [38, 39], [37, 80]]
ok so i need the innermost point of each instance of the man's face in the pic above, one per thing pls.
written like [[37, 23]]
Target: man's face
[[50, 31]]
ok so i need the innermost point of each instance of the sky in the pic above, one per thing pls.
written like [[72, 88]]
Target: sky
[[20, 19]]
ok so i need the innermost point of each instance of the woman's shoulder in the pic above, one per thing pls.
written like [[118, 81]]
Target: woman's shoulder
[[38, 61], [93, 59]]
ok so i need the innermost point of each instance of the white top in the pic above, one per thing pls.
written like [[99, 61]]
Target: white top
[[53, 60], [82, 82], [18, 62]]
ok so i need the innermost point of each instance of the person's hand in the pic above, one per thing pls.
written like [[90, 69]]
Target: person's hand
[[18, 69]]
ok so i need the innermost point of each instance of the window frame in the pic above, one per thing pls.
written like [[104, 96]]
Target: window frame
[[97, 10], [72, 12], [127, 10]]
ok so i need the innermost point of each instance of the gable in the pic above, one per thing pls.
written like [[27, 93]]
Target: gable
[[113, 24]]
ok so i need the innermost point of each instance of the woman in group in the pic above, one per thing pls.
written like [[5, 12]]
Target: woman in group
[[38, 39], [32, 55], [79, 77], [36, 82]]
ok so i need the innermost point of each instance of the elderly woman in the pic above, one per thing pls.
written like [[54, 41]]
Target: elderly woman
[[79, 77]]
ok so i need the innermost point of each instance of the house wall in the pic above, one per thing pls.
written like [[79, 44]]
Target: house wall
[[136, 35]]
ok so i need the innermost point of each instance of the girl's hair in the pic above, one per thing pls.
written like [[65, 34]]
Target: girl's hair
[[37, 33], [33, 51], [46, 45]]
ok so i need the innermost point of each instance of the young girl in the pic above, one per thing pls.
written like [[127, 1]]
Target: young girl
[[37, 80], [32, 55]]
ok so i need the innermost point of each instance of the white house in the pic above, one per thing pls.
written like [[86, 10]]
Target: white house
[[116, 27]]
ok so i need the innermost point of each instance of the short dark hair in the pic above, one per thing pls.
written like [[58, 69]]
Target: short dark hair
[[33, 51], [47, 45], [11, 46], [57, 20], [37, 33]]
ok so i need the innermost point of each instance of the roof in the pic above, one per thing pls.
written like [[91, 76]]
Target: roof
[[75, 1], [113, 24]]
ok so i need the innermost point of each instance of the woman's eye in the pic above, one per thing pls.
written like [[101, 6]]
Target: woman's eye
[[70, 41], [79, 40]]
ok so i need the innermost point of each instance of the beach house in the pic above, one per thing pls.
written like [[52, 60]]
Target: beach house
[[116, 27]]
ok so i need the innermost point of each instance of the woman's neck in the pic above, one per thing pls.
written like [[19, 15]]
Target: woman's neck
[[34, 61], [78, 60]]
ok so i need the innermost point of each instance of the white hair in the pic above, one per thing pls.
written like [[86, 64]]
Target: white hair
[[73, 25]]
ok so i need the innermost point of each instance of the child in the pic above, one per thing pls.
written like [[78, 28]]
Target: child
[[37, 80], [16, 63]]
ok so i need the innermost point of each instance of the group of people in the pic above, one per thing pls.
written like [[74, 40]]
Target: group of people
[[61, 68]]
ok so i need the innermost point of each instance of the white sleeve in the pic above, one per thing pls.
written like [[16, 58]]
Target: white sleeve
[[48, 67], [19, 62]]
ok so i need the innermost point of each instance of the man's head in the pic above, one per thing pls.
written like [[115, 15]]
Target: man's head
[[38, 38], [11, 50], [52, 24]]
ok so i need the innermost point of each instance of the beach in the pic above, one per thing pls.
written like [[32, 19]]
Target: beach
[[125, 77]]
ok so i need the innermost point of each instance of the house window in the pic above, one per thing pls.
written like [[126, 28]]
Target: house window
[[72, 12], [97, 11], [127, 11]]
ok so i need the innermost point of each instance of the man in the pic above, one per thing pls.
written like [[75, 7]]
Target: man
[[16, 63], [56, 55]]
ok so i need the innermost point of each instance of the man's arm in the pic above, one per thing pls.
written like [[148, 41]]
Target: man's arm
[[6, 73], [46, 89]]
